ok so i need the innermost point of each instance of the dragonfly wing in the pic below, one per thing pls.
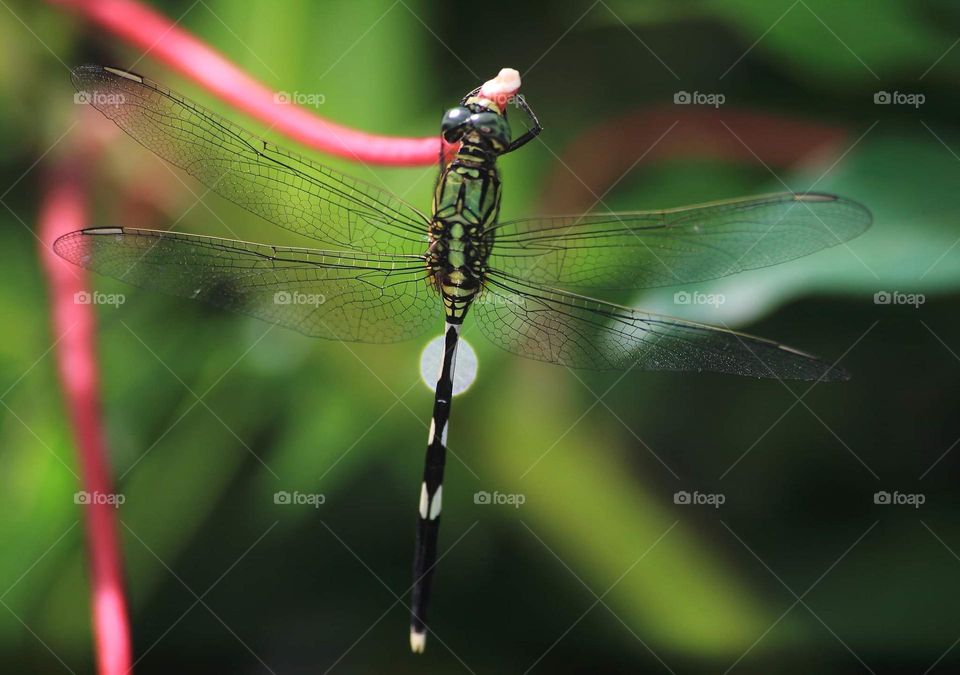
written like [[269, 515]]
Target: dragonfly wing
[[330, 294], [572, 330], [646, 249], [282, 187]]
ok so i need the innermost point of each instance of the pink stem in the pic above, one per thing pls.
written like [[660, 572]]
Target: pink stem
[[152, 32], [64, 209]]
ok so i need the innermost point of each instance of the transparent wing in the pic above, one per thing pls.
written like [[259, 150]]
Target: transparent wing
[[330, 294], [580, 332], [645, 249], [285, 189]]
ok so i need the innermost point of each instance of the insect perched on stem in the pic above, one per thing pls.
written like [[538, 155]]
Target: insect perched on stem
[[394, 271]]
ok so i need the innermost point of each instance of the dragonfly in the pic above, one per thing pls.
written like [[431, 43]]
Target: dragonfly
[[389, 272]]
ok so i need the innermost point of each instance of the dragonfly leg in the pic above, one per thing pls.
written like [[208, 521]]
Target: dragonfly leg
[[470, 94], [431, 493], [531, 133]]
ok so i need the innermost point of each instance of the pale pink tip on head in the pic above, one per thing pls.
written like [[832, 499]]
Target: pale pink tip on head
[[502, 87]]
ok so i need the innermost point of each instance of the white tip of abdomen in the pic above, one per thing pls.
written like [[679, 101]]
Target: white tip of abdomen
[[418, 641]]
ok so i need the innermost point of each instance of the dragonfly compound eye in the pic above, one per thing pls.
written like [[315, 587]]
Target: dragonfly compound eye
[[452, 124], [491, 126]]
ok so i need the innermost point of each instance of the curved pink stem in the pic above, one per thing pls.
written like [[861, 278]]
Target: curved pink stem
[[64, 209], [152, 32]]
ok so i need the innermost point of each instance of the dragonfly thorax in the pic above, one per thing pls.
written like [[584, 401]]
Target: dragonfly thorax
[[465, 206]]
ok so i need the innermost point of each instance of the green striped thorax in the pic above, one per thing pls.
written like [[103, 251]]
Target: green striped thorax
[[466, 202]]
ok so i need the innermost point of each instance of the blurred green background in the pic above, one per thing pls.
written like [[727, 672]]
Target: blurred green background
[[599, 570]]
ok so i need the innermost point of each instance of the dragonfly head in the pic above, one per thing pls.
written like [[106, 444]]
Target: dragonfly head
[[476, 124], [481, 118]]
